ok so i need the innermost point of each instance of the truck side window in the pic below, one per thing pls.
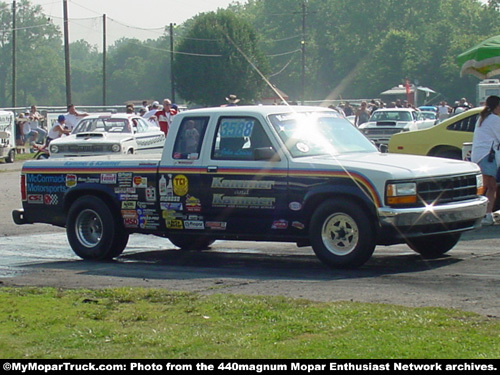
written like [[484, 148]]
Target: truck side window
[[237, 137], [190, 137]]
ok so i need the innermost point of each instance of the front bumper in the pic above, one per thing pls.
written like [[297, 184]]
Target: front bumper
[[432, 220]]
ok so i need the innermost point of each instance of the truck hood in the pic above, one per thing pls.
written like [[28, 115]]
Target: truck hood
[[391, 165], [93, 137]]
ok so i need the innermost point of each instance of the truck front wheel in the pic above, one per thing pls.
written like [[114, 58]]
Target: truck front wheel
[[191, 242], [341, 234], [93, 231], [11, 157], [434, 246]]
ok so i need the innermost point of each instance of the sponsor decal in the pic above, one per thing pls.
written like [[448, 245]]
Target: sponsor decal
[[145, 204], [35, 198], [146, 212], [128, 197], [170, 199], [169, 215], [181, 185], [88, 180], [174, 224], [125, 179], [221, 200], [71, 180], [48, 184], [298, 225], [216, 225], [295, 206], [192, 224], [150, 194], [125, 190], [140, 182], [50, 199], [108, 178], [171, 206], [222, 183], [130, 214], [280, 224], [128, 205], [193, 204], [130, 222]]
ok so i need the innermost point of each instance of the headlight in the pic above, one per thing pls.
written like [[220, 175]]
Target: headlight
[[116, 148], [54, 149], [401, 193]]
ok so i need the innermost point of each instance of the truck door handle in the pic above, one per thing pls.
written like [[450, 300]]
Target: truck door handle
[[212, 169]]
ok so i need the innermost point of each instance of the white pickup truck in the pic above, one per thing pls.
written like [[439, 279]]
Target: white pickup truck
[[258, 173]]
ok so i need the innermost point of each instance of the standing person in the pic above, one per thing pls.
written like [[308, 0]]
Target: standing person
[[165, 116], [232, 100], [362, 115], [443, 110], [487, 138], [72, 117], [348, 110], [57, 130], [152, 111], [36, 118], [29, 129]]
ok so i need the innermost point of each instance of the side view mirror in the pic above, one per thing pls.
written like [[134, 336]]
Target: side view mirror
[[265, 153]]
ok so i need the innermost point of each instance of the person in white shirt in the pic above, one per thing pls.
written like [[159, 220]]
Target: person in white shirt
[[443, 111], [485, 150], [57, 130], [72, 117]]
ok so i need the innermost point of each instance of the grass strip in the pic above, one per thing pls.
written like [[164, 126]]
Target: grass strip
[[153, 323]]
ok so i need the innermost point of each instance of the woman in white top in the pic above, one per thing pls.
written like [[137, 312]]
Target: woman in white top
[[486, 137]]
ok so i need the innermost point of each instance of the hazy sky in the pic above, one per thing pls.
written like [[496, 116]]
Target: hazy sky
[[145, 14], [150, 13]]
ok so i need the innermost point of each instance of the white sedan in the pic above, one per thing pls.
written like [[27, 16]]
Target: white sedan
[[107, 134]]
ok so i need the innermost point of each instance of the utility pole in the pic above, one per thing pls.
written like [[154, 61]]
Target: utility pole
[[172, 78], [13, 54], [303, 47], [66, 52], [104, 59]]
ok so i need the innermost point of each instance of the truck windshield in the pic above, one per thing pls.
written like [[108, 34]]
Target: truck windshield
[[319, 133]]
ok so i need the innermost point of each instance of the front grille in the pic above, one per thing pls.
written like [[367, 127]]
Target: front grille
[[446, 189], [382, 131], [85, 148]]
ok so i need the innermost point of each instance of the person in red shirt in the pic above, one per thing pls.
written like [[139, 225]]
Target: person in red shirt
[[165, 116]]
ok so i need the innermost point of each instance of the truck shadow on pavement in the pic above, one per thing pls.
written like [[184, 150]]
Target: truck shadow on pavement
[[182, 265]]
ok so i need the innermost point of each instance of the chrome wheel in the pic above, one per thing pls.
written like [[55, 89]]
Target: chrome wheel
[[340, 234], [89, 228]]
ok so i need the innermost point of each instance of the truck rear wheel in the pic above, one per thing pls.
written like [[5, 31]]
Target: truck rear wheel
[[93, 231], [341, 234], [434, 246]]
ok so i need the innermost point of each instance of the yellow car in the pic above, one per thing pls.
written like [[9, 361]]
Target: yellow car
[[444, 139]]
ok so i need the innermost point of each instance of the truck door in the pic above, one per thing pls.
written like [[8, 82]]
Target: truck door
[[181, 185], [245, 179]]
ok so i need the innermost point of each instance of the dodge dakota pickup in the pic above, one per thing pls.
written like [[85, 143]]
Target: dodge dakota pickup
[[258, 173]]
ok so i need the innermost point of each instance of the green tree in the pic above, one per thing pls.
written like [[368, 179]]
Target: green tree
[[39, 57], [219, 56]]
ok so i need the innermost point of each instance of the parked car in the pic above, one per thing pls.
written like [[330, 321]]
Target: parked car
[[109, 134], [444, 139], [385, 122], [427, 119]]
